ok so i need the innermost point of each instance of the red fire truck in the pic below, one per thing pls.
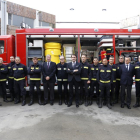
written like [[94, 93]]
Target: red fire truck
[[93, 41]]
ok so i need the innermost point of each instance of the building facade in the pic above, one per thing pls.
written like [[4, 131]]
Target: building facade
[[12, 15]]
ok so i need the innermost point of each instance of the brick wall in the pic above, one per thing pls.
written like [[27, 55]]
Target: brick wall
[[11, 30], [20, 10]]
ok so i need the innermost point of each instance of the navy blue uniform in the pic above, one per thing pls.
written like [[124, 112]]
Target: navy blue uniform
[[93, 78], [117, 89], [19, 73], [105, 78], [3, 79], [62, 78], [137, 79], [85, 76], [11, 78], [35, 76]]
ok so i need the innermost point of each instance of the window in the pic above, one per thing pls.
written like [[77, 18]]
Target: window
[[1, 46], [17, 20], [29, 21], [45, 24], [9, 19]]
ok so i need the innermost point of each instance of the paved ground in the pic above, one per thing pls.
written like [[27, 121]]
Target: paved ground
[[63, 123]]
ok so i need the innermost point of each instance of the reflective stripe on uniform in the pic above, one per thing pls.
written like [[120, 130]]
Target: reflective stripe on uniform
[[1, 80], [65, 79], [19, 79], [84, 78], [114, 69], [102, 71], [108, 49], [62, 79], [35, 78], [137, 67], [92, 68], [105, 81], [108, 71], [11, 77], [59, 79], [118, 79], [137, 79], [114, 80], [85, 67], [94, 79]]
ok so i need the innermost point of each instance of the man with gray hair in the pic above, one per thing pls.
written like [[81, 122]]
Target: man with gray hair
[[48, 70], [62, 79], [126, 81]]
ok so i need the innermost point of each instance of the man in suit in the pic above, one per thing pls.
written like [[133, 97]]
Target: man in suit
[[74, 70], [127, 73], [48, 70]]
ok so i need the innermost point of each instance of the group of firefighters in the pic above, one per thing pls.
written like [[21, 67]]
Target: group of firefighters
[[107, 81]]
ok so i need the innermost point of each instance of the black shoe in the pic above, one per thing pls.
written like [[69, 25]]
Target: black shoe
[[86, 102], [5, 100], [17, 101], [100, 103], [0, 104], [77, 105], [39, 101], [137, 103], [97, 101], [90, 101], [128, 106], [23, 100], [66, 100], [51, 103], [69, 104], [108, 103], [45, 102], [31, 101], [60, 100], [122, 105]]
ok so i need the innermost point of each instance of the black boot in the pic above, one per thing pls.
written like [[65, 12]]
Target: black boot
[[31, 101], [60, 100], [108, 103], [17, 100], [23, 100], [97, 100], [66, 100], [100, 103], [0, 104], [12, 98], [5, 98], [81, 100], [39, 100], [137, 103], [86, 101], [90, 101]]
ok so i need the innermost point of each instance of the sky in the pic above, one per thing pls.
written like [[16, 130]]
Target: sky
[[85, 10]]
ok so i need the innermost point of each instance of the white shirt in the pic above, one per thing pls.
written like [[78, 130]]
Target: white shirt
[[128, 66]]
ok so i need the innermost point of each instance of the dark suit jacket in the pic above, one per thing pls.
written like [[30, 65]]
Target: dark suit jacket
[[72, 74], [126, 76], [49, 72]]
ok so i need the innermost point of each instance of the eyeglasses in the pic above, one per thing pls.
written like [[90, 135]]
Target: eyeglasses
[[120, 58]]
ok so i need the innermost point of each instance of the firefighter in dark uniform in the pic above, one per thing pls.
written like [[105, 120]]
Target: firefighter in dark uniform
[[3, 79], [19, 73], [85, 79], [11, 77], [137, 81], [108, 50], [105, 78], [35, 76], [62, 79], [93, 78], [117, 89], [113, 85]]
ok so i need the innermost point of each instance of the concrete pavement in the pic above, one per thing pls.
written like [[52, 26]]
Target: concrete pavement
[[62, 123]]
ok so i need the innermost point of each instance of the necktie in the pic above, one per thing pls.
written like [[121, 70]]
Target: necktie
[[73, 64], [48, 64], [127, 67]]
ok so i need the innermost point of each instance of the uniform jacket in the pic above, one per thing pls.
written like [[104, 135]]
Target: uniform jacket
[[3, 72], [10, 69]]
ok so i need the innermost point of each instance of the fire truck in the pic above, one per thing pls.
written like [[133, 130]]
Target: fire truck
[[28, 43]]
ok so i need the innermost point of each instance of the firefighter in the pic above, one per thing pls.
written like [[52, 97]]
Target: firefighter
[[117, 89], [3, 79], [105, 78], [85, 79], [111, 63], [11, 78], [62, 79], [137, 79], [94, 83], [19, 73], [108, 50], [35, 76]]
